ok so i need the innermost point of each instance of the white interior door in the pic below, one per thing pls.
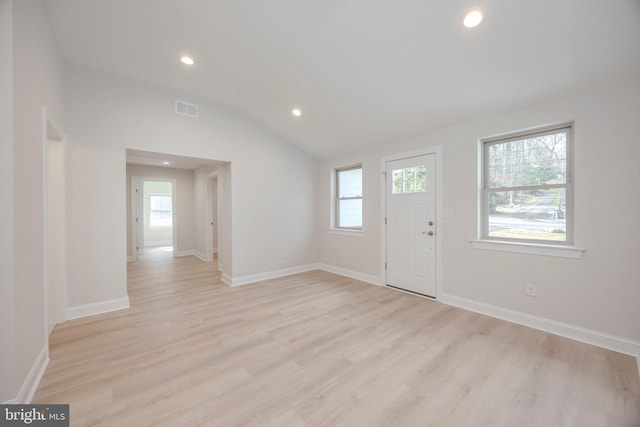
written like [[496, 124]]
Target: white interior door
[[410, 215]]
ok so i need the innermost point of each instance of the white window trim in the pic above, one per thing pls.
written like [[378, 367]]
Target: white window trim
[[347, 232], [333, 228], [560, 249]]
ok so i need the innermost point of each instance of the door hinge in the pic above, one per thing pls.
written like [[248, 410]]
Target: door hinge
[[385, 220], [385, 265]]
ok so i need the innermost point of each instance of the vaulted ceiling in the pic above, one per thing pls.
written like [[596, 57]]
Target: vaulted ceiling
[[362, 71]]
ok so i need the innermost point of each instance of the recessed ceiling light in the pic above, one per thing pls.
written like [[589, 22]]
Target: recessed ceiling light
[[187, 60], [472, 19], [296, 112], [166, 163]]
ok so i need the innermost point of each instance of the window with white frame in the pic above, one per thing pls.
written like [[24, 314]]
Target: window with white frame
[[527, 189], [160, 211], [348, 198]]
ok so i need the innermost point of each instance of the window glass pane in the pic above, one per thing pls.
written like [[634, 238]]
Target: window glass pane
[[536, 160], [421, 179], [409, 180], [528, 214], [160, 218], [160, 211], [160, 203], [397, 181], [350, 213], [350, 183]]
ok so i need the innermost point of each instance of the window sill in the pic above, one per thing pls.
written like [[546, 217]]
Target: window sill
[[345, 232], [530, 248]]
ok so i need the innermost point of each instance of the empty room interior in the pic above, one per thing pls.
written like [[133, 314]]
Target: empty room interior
[[342, 212]]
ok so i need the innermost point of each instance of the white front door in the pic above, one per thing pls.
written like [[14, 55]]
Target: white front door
[[411, 207]]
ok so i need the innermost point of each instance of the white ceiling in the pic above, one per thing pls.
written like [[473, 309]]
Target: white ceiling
[[362, 71]]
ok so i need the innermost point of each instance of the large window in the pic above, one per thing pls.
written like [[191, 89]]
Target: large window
[[348, 194], [160, 211], [527, 187]]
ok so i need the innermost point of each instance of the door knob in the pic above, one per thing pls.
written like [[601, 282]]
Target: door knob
[[428, 233]]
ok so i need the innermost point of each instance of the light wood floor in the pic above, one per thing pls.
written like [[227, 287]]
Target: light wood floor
[[320, 349]]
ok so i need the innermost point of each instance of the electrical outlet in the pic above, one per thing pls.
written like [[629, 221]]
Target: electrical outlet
[[530, 289]]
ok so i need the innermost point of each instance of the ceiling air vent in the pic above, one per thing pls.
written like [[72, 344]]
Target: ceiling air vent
[[186, 109]]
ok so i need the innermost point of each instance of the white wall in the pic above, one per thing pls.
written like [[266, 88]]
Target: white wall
[[200, 209], [8, 380], [184, 199], [37, 82], [212, 187], [56, 231], [225, 261], [599, 292], [272, 181]]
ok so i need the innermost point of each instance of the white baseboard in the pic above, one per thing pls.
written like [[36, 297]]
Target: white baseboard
[[246, 280], [215, 250], [226, 279], [184, 253], [374, 280], [201, 256], [131, 259], [588, 336], [97, 308], [32, 381]]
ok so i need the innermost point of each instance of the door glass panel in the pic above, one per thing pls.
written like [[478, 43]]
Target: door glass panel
[[397, 181], [409, 180]]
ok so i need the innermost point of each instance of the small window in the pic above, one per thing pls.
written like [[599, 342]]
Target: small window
[[527, 187], [160, 211], [348, 193]]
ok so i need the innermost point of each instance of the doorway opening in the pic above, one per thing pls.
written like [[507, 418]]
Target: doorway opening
[[158, 211], [153, 202], [200, 201]]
